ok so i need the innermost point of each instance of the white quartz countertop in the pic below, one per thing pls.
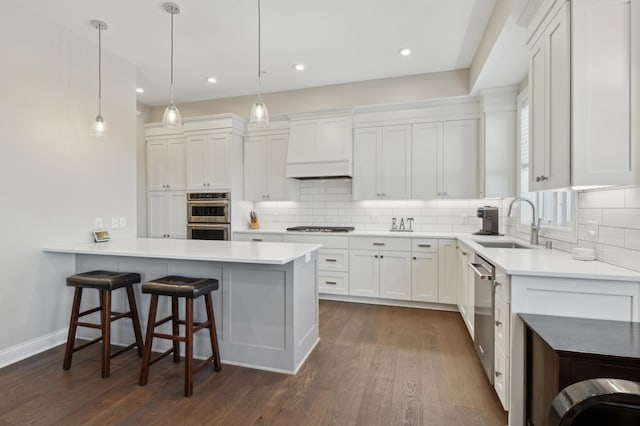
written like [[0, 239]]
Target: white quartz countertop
[[537, 261], [213, 251]]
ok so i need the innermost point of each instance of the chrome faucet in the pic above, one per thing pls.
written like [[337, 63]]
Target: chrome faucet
[[535, 227]]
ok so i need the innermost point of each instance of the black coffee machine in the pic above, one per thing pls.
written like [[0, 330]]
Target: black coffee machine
[[489, 217]]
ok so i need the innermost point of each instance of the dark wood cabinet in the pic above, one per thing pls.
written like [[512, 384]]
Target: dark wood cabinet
[[561, 351]]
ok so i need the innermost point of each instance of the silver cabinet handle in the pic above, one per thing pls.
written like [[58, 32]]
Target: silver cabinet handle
[[256, 239], [331, 282], [498, 374], [498, 323], [496, 284], [464, 253], [474, 267], [330, 260], [378, 244], [424, 245]]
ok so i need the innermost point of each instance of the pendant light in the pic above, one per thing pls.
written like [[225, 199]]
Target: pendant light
[[171, 116], [99, 128], [259, 114]]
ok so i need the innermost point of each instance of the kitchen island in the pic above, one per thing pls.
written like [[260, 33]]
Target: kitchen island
[[266, 309]]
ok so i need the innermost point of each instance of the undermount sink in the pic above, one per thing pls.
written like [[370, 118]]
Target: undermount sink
[[502, 244]]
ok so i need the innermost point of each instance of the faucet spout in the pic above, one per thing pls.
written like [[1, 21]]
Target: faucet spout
[[535, 221]]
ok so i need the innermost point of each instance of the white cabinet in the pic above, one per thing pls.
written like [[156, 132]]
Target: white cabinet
[[443, 160], [380, 267], [166, 163], [424, 270], [466, 294], [447, 276], [605, 63], [320, 146], [257, 237], [549, 104], [208, 166], [382, 163], [502, 331], [167, 214], [265, 166]]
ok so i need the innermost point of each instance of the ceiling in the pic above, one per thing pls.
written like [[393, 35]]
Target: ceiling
[[338, 41]]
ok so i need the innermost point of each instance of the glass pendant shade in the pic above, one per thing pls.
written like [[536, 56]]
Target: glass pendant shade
[[171, 116], [99, 127], [259, 113]]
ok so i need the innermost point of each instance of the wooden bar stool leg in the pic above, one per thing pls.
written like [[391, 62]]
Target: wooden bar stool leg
[[146, 355], [213, 334], [175, 322], [133, 308], [106, 334], [73, 326], [188, 352]]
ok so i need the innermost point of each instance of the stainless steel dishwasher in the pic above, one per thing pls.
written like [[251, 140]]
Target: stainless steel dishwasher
[[484, 273]]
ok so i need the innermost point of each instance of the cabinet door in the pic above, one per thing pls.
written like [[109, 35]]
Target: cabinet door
[[157, 214], [537, 99], [176, 215], [366, 184], [426, 141], [176, 164], [335, 136], [156, 165], [424, 277], [447, 277], [218, 162], [364, 273], [395, 275], [279, 186], [395, 164], [255, 168], [459, 159], [197, 162], [462, 256], [605, 47]]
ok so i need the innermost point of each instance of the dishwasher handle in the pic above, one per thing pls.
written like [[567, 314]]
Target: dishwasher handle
[[476, 270]]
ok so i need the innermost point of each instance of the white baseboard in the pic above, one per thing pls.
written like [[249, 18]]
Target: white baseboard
[[389, 302], [32, 347]]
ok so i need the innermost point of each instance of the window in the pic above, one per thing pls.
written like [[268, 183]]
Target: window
[[555, 209]]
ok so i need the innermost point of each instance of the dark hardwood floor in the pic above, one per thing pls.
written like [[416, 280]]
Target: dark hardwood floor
[[374, 365]]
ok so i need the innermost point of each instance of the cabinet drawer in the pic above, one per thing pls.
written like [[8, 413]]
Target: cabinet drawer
[[501, 378], [381, 243], [272, 238], [327, 241], [333, 260], [424, 245], [333, 282]]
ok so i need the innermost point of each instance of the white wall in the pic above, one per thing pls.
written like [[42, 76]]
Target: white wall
[[54, 178]]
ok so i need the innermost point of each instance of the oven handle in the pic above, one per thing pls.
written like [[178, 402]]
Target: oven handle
[[476, 270], [209, 202]]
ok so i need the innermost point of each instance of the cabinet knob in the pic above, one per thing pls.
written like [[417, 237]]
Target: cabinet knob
[[381, 257], [537, 178], [498, 374], [378, 194], [498, 323], [375, 255], [384, 195], [543, 178], [415, 258], [496, 284], [168, 186], [268, 196]]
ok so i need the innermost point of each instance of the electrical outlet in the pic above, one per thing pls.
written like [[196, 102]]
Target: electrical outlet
[[591, 229], [97, 224], [114, 223], [123, 222]]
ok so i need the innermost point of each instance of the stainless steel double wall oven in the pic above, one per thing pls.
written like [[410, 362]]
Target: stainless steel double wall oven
[[208, 216]]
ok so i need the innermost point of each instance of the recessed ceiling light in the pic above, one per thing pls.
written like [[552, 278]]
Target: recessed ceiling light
[[211, 80], [298, 67], [405, 51], [139, 90]]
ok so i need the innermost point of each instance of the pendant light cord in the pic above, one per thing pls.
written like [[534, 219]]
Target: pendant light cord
[[259, 48], [100, 70], [172, 102]]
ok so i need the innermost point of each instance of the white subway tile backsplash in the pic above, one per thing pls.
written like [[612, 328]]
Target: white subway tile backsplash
[[589, 215], [611, 236], [453, 203], [621, 218], [632, 197], [632, 239], [613, 198]]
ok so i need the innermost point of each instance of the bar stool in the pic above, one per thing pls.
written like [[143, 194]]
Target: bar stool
[[188, 288], [105, 282]]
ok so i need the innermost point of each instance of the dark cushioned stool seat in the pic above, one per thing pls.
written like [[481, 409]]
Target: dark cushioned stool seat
[[103, 279], [189, 289], [105, 282], [174, 285]]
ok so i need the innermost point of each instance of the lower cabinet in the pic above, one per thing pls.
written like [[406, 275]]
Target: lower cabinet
[[254, 236], [167, 214], [380, 273], [466, 304], [447, 272], [501, 332], [424, 277]]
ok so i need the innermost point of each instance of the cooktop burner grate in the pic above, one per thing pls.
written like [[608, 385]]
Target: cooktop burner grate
[[321, 229]]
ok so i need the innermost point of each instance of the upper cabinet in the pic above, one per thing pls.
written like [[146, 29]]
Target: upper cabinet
[[320, 147], [382, 163], [214, 153], [166, 164], [444, 159], [584, 66], [265, 164]]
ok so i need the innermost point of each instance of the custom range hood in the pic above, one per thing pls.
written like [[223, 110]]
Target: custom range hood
[[320, 147]]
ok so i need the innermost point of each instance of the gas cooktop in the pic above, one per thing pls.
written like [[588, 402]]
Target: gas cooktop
[[321, 228]]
